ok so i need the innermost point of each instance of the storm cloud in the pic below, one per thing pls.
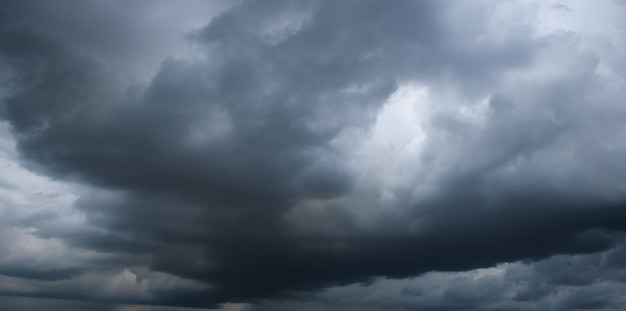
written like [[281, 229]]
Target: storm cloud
[[292, 154]]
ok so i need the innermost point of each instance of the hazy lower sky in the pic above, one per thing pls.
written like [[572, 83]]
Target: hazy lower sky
[[312, 155]]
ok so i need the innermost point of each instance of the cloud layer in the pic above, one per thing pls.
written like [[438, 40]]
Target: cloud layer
[[272, 151]]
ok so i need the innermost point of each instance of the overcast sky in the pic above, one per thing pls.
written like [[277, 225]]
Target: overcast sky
[[312, 155]]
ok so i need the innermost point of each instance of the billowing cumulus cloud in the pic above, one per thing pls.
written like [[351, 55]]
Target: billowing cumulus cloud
[[323, 155]]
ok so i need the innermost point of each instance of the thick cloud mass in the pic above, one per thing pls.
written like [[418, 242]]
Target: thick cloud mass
[[294, 147]]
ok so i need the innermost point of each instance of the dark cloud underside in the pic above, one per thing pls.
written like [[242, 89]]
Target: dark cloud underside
[[205, 170]]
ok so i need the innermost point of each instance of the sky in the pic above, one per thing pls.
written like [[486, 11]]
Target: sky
[[312, 155]]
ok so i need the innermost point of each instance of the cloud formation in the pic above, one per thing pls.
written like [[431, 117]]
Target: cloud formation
[[267, 151]]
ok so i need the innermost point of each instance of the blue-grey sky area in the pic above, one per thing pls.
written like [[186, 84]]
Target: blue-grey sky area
[[312, 155]]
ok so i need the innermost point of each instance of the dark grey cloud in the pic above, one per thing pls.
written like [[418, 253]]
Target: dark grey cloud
[[209, 171], [20, 303], [533, 285]]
